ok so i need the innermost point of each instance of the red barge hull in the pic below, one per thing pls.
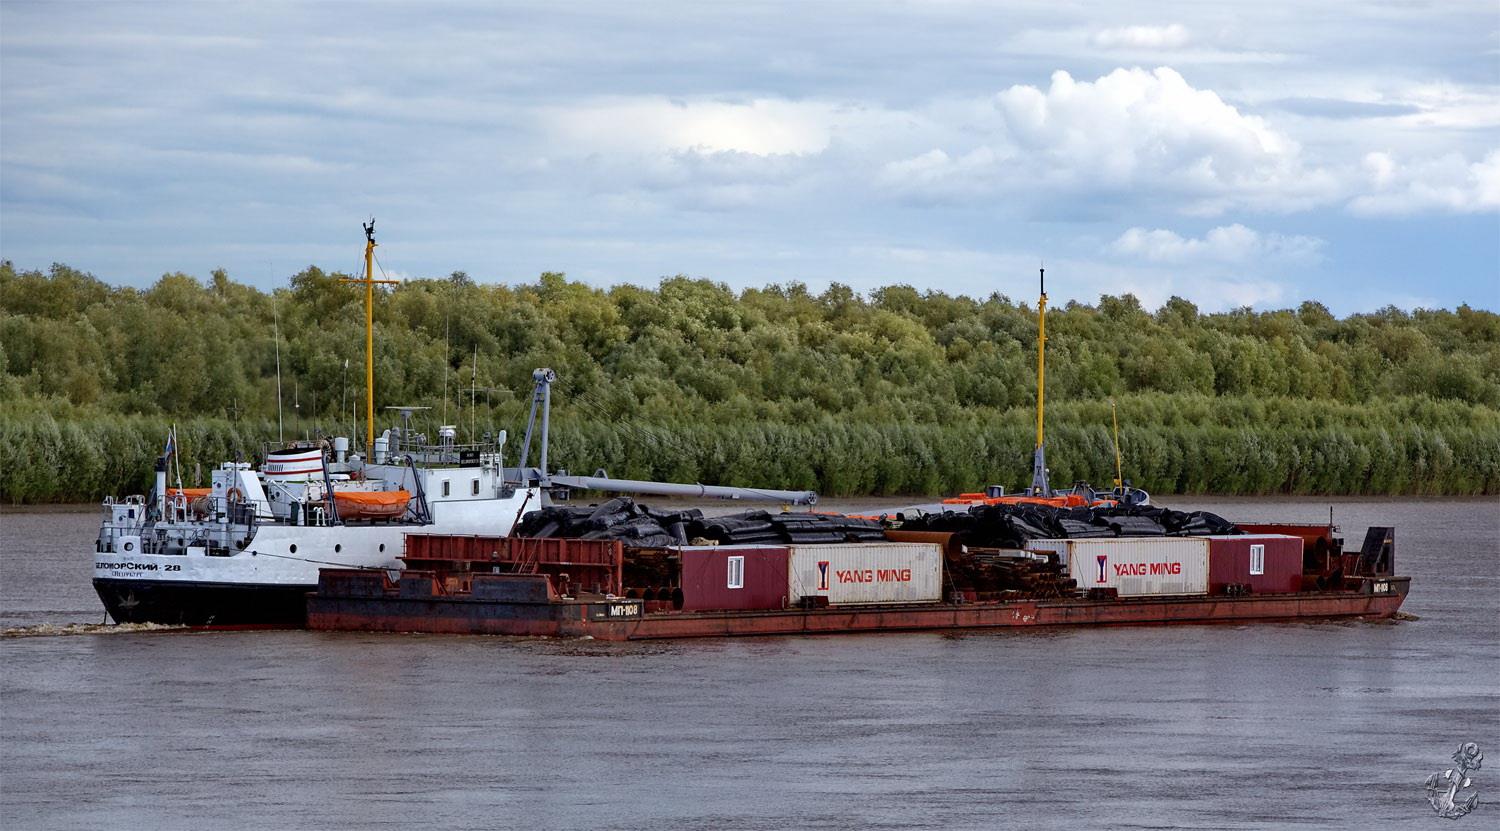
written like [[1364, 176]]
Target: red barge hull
[[524, 605]]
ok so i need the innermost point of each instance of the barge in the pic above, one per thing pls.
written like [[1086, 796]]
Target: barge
[[573, 588]]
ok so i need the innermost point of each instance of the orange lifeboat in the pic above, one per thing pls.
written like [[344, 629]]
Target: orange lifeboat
[[371, 504]]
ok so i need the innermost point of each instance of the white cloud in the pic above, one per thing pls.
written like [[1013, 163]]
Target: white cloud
[[1232, 294], [1134, 127], [1430, 112], [1131, 132], [1131, 136], [978, 273], [1449, 183], [936, 176], [1381, 168], [1233, 244], [1210, 294], [1142, 37], [1449, 105], [1132, 44], [761, 127], [712, 155]]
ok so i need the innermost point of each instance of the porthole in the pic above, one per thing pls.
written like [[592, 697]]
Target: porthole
[[382, 548], [338, 547], [129, 546], [293, 548]]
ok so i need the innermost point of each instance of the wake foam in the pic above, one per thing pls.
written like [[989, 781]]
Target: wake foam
[[55, 629]]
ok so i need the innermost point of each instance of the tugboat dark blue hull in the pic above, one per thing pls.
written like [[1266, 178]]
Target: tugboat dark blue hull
[[203, 604]]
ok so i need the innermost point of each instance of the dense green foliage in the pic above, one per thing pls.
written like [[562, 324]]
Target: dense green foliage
[[899, 392]]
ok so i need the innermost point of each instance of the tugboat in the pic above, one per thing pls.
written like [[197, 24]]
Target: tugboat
[[246, 550]]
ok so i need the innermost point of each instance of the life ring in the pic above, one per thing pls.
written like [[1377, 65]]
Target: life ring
[[234, 495]]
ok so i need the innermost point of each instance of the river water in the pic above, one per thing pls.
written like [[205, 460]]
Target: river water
[[1308, 725]]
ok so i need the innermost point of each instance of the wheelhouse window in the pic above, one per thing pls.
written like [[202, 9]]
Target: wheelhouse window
[[736, 572]]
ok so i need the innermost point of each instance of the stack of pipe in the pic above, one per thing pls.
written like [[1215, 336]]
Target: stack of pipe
[[787, 528], [1012, 526], [1021, 576], [639, 526]]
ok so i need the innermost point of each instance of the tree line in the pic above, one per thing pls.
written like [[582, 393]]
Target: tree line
[[898, 392]]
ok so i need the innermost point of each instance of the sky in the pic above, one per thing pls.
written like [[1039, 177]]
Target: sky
[[1232, 153]]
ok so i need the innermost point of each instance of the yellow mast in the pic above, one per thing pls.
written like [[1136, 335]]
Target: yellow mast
[[369, 281], [1119, 466], [1041, 365], [1039, 484]]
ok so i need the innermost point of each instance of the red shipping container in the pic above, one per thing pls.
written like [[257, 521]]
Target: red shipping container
[[1275, 568], [719, 577]]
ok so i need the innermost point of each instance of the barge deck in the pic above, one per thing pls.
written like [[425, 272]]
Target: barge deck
[[508, 604]]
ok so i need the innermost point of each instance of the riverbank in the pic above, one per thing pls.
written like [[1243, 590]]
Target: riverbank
[[1192, 445]]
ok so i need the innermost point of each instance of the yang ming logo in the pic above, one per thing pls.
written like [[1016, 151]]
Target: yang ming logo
[[1103, 568], [823, 576]]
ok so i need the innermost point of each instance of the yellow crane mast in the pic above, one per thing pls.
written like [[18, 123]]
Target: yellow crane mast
[[369, 282]]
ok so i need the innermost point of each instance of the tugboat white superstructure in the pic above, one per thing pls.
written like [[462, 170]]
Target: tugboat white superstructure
[[246, 550]]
